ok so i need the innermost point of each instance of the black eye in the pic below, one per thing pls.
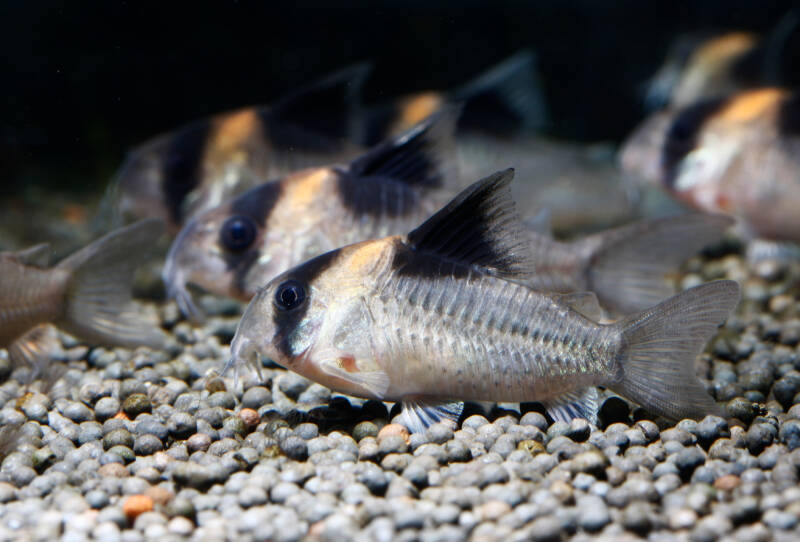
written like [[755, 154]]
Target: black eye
[[238, 233], [289, 295]]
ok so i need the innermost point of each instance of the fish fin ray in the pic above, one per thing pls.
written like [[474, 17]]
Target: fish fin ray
[[585, 303], [480, 227], [575, 404], [629, 267], [98, 305], [36, 348], [419, 413], [375, 382], [656, 367]]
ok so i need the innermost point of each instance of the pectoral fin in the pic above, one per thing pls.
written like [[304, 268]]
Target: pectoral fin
[[418, 413], [575, 404], [374, 382], [36, 348]]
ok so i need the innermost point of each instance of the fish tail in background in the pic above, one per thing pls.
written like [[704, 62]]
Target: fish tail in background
[[329, 107], [506, 98], [656, 365], [97, 305], [629, 267]]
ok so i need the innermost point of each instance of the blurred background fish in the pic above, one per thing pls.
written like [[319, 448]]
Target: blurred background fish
[[87, 295], [199, 165], [707, 65], [738, 155]]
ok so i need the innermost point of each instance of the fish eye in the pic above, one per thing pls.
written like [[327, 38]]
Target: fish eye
[[238, 233], [290, 295]]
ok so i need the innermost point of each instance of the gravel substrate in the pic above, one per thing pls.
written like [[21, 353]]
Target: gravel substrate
[[145, 445]]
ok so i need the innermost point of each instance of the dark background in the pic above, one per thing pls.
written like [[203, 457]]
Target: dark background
[[82, 82]]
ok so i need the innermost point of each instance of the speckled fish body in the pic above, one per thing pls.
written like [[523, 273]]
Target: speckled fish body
[[442, 315], [236, 247], [738, 155], [208, 161], [87, 294]]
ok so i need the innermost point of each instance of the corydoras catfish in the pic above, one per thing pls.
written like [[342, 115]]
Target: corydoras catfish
[[88, 294], [234, 248], [442, 315], [502, 123], [737, 155], [203, 163]]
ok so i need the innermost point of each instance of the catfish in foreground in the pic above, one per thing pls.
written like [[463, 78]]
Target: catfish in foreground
[[442, 315]]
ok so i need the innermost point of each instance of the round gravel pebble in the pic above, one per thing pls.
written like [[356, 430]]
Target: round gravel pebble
[[147, 445], [135, 404]]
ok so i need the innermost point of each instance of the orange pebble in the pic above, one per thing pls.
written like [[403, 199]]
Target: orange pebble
[[136, 505], [249, 416], [393, 429], [727, 482], [159, 495]]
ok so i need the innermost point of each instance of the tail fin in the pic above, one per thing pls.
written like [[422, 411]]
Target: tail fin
[[656, 364], [629, 268], [506, 98], [98, 303], [328, 107]]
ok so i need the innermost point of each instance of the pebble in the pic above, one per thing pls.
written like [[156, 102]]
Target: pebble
[[284, 459], [135, 505]]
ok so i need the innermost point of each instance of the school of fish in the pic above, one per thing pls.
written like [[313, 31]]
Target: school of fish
[[385, 252]]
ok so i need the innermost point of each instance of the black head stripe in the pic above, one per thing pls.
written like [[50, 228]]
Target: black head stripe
[[684, 132], [789, 116], [180, 167], [287, 321]]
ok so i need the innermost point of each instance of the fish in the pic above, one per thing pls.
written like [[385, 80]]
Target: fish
[[442, 315], [232, 249], [205, 162], [503, 123], [629, 268], [704, 65], [87, 294], [737, 155], [505, 100]]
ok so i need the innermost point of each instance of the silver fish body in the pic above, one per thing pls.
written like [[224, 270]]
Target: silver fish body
[[443, 314]]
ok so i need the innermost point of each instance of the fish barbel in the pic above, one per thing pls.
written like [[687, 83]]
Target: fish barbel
[[442, 315]]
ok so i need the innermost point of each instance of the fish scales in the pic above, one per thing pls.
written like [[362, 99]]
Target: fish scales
[[444, 314], [491, 339]]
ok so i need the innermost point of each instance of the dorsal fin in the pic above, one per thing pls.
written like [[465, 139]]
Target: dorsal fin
[[480, 227], [504, 99], [423, 156], [326, 108], [585, 303], [35, 256]]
